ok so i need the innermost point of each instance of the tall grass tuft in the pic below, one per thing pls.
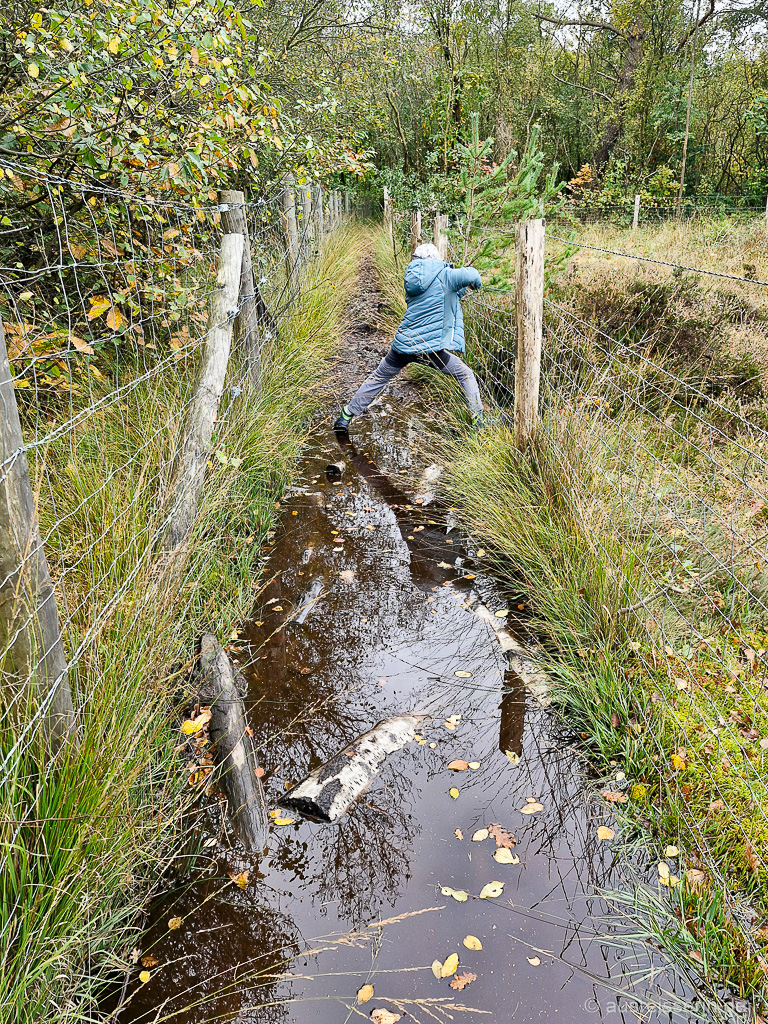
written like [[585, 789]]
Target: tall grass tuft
[[86, 840]]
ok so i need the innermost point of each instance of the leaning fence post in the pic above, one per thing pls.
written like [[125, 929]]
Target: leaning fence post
[[29, 618], [234, 221], [636, 218], [291, 235], [306, 215], [388, 211], [529, 309], [189, 463], [415, 229], [319, 217]]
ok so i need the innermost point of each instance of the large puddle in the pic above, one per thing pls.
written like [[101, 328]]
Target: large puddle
[[388, 630]]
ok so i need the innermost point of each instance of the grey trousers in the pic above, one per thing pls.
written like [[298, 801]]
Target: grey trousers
[[393, 362]]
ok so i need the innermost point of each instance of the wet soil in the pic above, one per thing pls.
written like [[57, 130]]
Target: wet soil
[[390, 629]]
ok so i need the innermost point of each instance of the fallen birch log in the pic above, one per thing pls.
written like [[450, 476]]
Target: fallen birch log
[[329, 791], [233, 749], [518, 658]]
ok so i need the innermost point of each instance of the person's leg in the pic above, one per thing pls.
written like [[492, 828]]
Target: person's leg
[[387, 370], [447, 362]]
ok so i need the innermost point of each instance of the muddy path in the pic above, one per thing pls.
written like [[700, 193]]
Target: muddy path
[[390, 589]]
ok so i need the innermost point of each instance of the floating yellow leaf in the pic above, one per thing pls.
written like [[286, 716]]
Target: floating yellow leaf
[[474, 765], [480, 552], [283, 821], [513, 757], [458, 833], [491, 890], [174, 924], [532, 808], [458, 894], [472, 942], [663, 869], [459, 765], [453, 792], [240, 878], [384, 1017], [437, 966], [480, 835], [144, 977], [604, 832], [462, 674], [365, 993], [534, 961], [450, 965], [505, 856], [502, 613]]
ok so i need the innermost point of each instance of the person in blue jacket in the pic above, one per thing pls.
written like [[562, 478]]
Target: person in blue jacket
[[431, 332]]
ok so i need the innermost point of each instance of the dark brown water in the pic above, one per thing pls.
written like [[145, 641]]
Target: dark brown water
[[390, 636]]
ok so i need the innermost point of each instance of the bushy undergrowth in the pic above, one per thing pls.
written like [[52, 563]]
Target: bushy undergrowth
[[87, 838], [632, 528]]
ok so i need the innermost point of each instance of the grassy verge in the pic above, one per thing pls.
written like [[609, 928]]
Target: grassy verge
[[84, 841], [633, 529]]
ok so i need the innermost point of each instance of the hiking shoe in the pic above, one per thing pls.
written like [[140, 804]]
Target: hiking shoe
[[343, 420]]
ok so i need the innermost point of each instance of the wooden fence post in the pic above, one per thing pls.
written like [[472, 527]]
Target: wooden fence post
[[388, 211], [346, 204], [306, 216], [189, 463], [529, 308], [415, 229], [319, 214], [234, 221], [636, 218], [233, 749], [29, 618], [291, 236], [439, 237]]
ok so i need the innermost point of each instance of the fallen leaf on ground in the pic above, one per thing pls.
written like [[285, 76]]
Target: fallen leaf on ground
[[365, 993], [717, 805], [502, 836], [480, 835], [458, 894], [472, 942], [459, 765], [193, 725], [450, 965], [663, 868], [491, 890], [384, 1016], [453, 792], [461, 981], [604, 832], [174, 923], [474, 765], [678, 763], [458, 833], [240, 878], [532, 808], [505, 856], [480, 552], [613, 797], [695, 878], [437, 966], [534, 961], [671, 851], [502, 613], [462, 674]]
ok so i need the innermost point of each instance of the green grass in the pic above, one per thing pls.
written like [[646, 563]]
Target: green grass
[[632, 547], [85, 840]]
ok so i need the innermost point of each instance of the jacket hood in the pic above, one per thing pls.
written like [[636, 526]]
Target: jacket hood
[[419, 275]]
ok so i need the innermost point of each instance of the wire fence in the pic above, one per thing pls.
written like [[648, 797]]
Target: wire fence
[[664, 468], [659, 210], [107, 314]]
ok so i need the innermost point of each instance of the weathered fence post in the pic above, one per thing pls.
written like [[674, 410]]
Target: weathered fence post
[[388, 211], [319, 214], [29, 619], [234, 221], [233, 750], [189, 463], [291, 231], [529, 308], [439, 236], [346, 204], [766, 213], [306, 215], [415, 229], [636, 218]]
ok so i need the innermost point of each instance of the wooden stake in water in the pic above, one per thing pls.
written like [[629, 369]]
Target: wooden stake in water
[[529, 307]]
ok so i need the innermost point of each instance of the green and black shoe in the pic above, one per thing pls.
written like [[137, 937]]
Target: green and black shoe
[[343, 420]]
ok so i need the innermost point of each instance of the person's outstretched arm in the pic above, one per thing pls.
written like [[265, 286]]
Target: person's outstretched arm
[[463, 277]]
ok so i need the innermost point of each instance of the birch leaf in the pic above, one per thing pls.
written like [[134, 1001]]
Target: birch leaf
[[450, 965]]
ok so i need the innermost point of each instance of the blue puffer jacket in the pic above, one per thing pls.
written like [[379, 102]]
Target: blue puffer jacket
[[433, 320]]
